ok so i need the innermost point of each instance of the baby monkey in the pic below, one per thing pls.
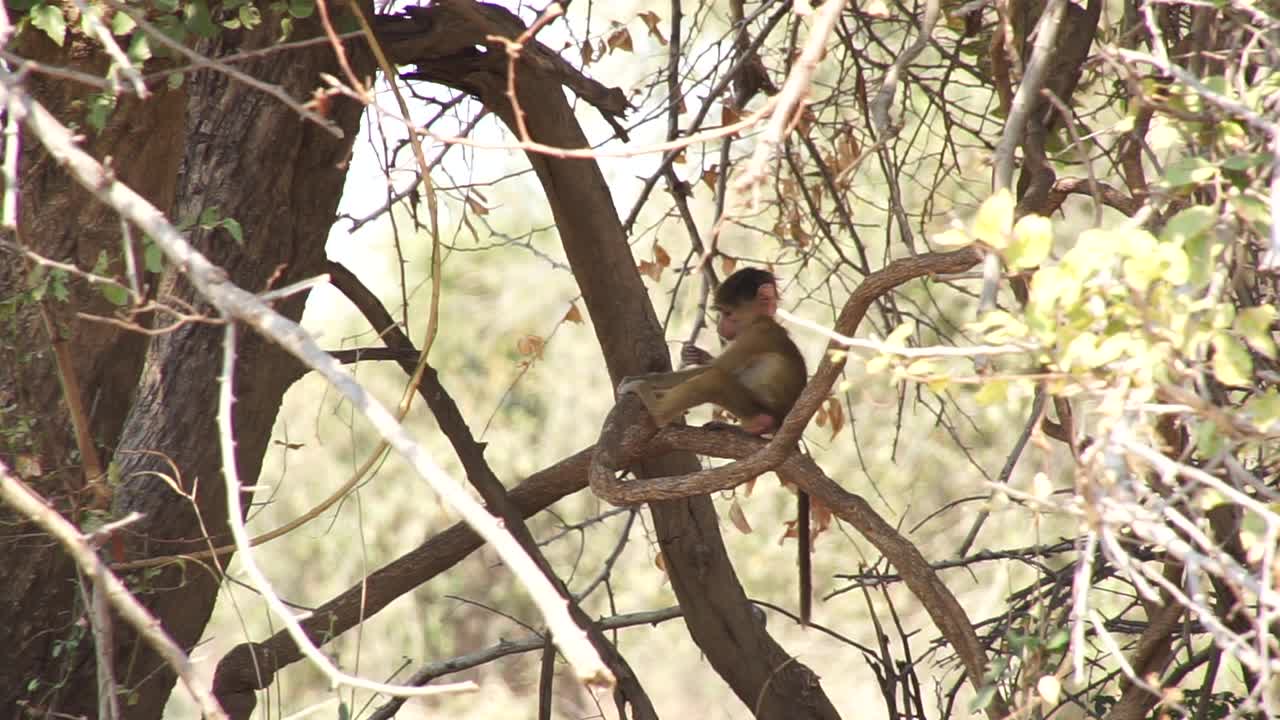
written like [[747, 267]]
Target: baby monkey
[[758, 378], [759, 375]]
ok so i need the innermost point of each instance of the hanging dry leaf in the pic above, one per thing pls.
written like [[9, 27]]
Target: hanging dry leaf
[[789, 532], [574, 315], [661, 256], [729, 114], [680, 158], [652, 20], [660, 562], [836, 412], [619, 39], [728, 264], [588, 53], [820, 517], [530, 346], [475, 206], [877, 9], [820, 417], [651, 270], [711, 176], [739, 518]]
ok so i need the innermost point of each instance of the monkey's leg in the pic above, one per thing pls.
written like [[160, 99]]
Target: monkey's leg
[[713, 385], [652, 387]]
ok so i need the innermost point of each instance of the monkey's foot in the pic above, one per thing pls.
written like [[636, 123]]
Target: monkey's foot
[[760, 424]]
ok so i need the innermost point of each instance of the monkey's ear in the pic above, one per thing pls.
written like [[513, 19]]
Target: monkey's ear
[[767, 297]]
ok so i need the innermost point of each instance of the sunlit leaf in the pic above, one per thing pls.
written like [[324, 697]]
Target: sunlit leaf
[[1050, 688], [49, 18], [995, 219], [1231, 362], [952, 238], [1032, 241], [1254, 324], [1264, 410]]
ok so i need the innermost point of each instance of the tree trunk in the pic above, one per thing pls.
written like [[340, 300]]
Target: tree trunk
[[721, 621], [249, 156]]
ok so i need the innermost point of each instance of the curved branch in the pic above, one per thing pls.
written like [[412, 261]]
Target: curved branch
[[627, 425], [943, 608]]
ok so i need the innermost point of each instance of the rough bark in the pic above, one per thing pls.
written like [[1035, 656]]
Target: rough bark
[[60, 221], [719, 618], [249, 156]]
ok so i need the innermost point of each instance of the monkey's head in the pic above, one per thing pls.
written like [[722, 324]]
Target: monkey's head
[[744, 296]]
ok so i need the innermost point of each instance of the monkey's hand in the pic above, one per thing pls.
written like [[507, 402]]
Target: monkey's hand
[[629, 385], [691, 354]]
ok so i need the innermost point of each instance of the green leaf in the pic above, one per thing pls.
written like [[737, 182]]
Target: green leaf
[[153, 258], [1231, 362], [1032, 240], [1247, 161], [994, 219], [196, 18], [115, 294], [1208, 442], [1189, 223], [301, 9], [234, 230], [49, 18], [1264, 410], [250, 17], [58, 285], [122, 23], [982, 699], [1189, 171], [139, 49], [208, 217], [1254, 324], [1058, 640], [174, 80], [100, 107], [166, 6]]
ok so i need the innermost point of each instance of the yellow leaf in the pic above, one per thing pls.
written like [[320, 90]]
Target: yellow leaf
[[994, 219], [1032, 241], [953, 238], [992, 392]]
